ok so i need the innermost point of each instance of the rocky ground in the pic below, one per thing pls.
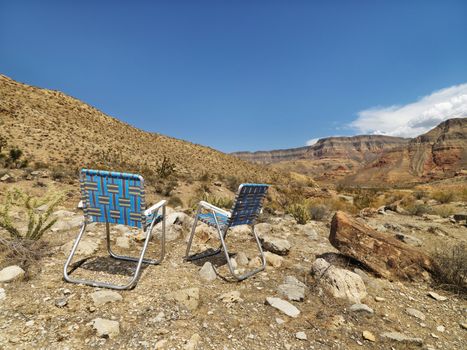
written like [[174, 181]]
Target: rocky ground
[[298, 302]]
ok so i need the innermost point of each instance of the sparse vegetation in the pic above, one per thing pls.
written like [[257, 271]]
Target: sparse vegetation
[[451, 271], [38, 221], [300, 212], [443, 196], [418, 209], [318, 211], [175, 201]]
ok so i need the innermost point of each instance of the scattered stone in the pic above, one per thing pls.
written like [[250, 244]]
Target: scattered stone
[[338, 282], [102, 297], [410, 240], [379, 299], [11, 273], [384, 255], [242, 259], [367, 335], [434, 335], [230, 297], [123, 242], [106, 328], [61, 302], [396, 336], [29, 323], [66, 222], [463, 325], [175, 223], [263, 229], [275, 245], [6, 178], [441, 329], [361, 308], [255, 262], [273, 260], [284, 306], [193, 342], [308, 230], [207, 272], [415, 313], [161, 344], [188, 297], [292, 288], [335, 322], [87, 246], [301, 335], [460, 217], [2, 294], [436, 296], [279, 320]]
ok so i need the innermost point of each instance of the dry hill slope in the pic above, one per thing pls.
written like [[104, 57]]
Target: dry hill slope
[[57, 129]]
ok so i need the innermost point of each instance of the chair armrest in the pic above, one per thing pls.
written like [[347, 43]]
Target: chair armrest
[[155, 207], [207, 205]]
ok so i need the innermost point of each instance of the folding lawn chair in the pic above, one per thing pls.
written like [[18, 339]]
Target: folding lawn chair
[[245, 210], [117, 198]]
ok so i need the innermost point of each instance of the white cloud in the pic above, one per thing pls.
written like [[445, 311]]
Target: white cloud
[[312, 142], [414, 118]]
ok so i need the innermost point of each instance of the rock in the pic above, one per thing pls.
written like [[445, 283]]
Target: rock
[[338, 282], [292, 288], [122, 229], [301, 335], [441, 329], [175, 224], [279, 320], [87, 246], [242, 259], [463, 325], [2, 294], [102, 297], [308, 230], [273, 260], [193, 342], [395, 207], [361, 308], [379, 299], [7, 178], [410, 240], [276, 245], [460, 217], [61, 302], [255, 262], [415, 313], [230, 297], [161, 344], [66, 222], [368, 336], [188, 297], [384, 255], [207, 272], [123, 242], [284, 306], [42, 208], [106, 328], [263, 229], [11, 273], [396, 336], [436, 296]]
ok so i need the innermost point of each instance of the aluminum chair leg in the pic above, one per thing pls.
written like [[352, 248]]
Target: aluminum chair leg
[[229, 263], [129, 285]]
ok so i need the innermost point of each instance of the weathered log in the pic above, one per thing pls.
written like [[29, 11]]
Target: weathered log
[[382, 254]]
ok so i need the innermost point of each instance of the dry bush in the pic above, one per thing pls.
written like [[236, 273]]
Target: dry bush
[[175, 201], [443, 196], [444, 210], [451, 270], [418, 209], [318, 211], [300, 212]]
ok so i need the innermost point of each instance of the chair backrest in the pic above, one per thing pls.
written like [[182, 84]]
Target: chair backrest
[[112, 197], [248, 203]]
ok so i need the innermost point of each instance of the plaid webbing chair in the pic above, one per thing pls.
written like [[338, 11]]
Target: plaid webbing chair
[[117, 198], [245, 210]]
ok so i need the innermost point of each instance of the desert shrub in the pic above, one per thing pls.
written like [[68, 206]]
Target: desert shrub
[[204, 177], [38, 222], [166, 168], [300, 212], [451, 269], [175, 201], [221, 202], [443, 210], [419, 194], [443, 196], [318, 211], [165, 187], [418, 209], [232, 183]]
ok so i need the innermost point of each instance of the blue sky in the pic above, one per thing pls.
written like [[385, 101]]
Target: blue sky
[[247, 75]]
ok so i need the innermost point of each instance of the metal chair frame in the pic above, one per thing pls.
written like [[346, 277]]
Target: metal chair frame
[[222, 232], [151, 212]]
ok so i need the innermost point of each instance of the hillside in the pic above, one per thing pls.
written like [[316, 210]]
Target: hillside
[[60, 130], [376, 159]]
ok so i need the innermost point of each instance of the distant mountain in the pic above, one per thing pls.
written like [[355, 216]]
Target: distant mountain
[[376, 159], [52, 127]]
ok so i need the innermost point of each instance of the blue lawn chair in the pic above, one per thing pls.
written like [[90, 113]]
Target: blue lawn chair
[[117, 198], [245, 210]]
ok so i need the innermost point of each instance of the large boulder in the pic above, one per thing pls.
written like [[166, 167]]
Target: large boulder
[[340, 283], [384, 255]]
